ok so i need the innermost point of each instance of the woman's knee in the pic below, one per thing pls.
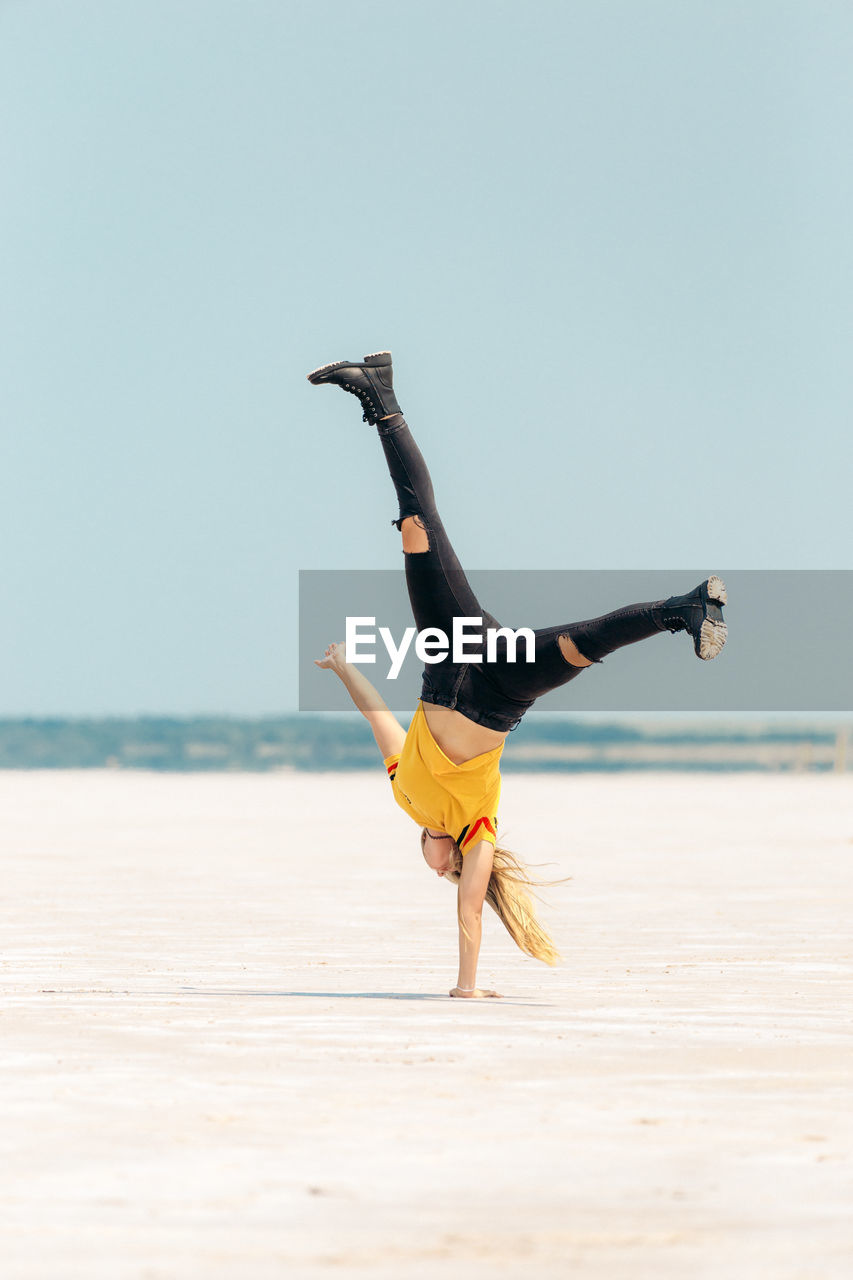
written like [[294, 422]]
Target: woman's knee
[[415, 536], [572, 653]]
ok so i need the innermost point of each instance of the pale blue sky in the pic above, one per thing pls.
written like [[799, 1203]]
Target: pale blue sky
[[609, 245]]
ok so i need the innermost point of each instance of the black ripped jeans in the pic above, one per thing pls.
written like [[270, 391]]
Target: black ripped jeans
[[497, 693]]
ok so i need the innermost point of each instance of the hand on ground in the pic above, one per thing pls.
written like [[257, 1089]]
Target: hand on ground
[[476, 994]]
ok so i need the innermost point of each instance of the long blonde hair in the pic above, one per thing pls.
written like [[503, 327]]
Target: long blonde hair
[[508, 896]]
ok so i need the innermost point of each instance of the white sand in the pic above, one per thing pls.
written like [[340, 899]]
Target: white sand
[[226, 1050]]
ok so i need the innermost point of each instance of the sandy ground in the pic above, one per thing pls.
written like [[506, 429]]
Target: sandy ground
[[226, 1047]]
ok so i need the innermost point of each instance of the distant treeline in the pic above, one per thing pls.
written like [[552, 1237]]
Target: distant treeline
[[346, 742]]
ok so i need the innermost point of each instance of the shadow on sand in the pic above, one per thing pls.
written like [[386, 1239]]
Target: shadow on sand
[[345, 995]]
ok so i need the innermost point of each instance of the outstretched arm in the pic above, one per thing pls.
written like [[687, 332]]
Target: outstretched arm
[[473, 883], [387, 730]]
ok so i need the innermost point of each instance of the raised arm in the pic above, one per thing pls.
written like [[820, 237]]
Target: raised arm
[[387, 730], [473, 883]]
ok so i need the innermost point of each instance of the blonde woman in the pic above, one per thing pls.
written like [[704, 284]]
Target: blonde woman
[[445, 770]]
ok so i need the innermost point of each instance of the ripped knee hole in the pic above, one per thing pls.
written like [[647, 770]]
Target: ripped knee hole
[[571, 653], [415, 536]]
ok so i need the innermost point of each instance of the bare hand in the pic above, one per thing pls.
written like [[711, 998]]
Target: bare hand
[[334, 658], [476, 994]]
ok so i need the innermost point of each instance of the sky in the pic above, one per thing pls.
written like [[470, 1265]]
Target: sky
[[609, 246]]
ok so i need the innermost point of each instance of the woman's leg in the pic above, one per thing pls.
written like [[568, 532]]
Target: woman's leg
[[438, 588], [562, 652], [439, 591]]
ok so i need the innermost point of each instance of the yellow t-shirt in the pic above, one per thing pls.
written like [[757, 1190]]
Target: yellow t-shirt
[[460, 799]]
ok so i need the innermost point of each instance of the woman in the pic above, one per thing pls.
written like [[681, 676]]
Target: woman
[[445, 771]]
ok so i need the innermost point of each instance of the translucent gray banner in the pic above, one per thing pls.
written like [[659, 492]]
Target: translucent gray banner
[[789, 645]]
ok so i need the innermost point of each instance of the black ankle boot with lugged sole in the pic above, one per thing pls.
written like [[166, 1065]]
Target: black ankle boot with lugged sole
[[700, 613], [372, 382]]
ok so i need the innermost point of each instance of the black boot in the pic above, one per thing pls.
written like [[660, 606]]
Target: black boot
[[372, 382], [699, 613]]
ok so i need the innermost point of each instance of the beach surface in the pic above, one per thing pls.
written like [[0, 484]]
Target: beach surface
[[227, 1047]]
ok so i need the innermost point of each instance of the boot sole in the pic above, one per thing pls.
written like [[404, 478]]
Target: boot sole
[[319, 375], [712, 637], [713, 634], [376, 360], [717, 589]]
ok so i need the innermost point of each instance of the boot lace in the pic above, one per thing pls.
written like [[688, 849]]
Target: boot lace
[[369, 415]]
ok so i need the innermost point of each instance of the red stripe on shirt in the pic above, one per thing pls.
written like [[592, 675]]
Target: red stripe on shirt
[[479, 823]]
